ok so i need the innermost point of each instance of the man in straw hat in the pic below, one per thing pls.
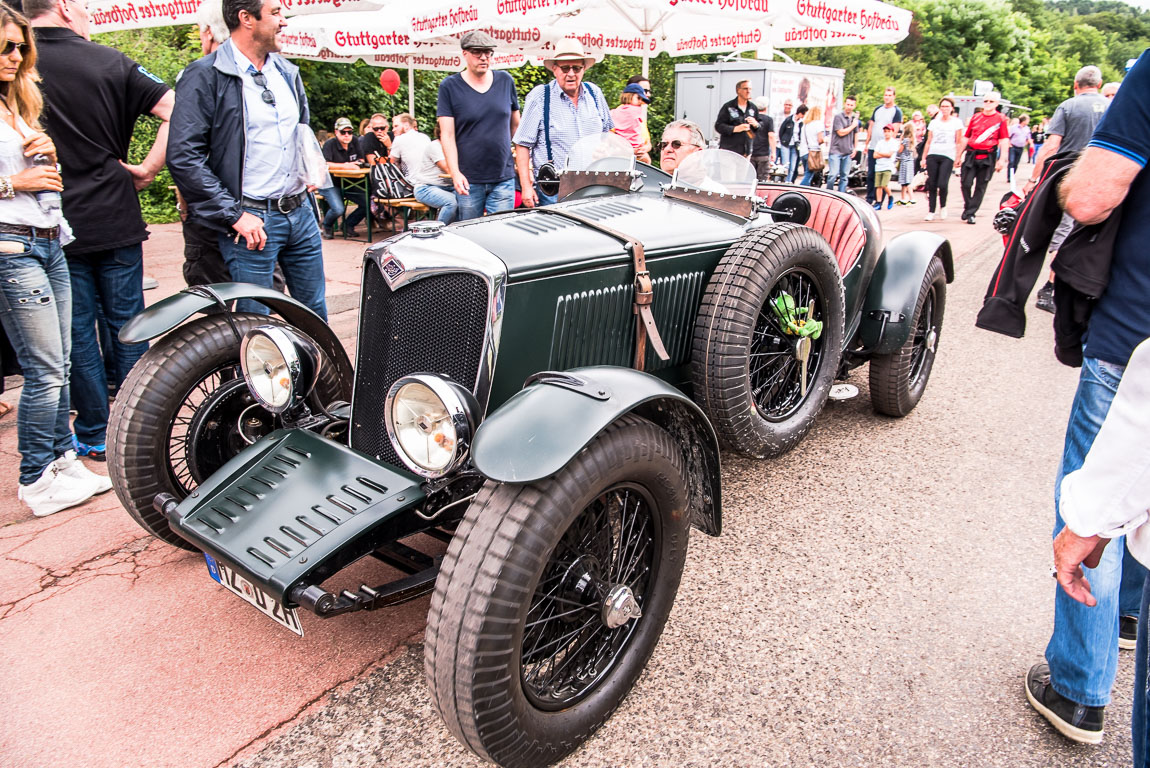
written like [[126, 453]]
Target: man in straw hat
[[555, 116]]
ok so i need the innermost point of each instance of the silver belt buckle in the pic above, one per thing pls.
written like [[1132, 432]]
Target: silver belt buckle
[[280, 206]]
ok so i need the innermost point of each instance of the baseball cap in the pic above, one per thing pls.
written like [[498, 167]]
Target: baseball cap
[[477, 39], [637, 89], [343, 122], [888, 127]]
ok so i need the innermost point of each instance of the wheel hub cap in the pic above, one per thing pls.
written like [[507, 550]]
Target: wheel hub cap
[[620, 606]]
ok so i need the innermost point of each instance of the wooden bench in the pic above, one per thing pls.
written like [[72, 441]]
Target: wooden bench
[[409, 206]]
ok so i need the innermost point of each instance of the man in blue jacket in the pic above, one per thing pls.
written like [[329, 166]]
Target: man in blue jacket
[[234, 153]]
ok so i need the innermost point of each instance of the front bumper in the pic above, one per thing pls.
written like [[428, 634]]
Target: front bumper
[[295, 508]]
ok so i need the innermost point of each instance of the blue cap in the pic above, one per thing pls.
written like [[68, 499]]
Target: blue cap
[[638, 89]]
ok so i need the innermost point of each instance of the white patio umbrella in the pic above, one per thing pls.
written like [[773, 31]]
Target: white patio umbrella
[[112, 15]]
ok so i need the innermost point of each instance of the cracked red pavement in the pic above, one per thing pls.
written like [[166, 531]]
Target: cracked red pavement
[[121, 651]]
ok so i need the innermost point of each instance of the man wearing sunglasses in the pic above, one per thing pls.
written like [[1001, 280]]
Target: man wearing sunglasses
[[680, 139], [555, 116], [238, 129], [93, 96], [478, 113]]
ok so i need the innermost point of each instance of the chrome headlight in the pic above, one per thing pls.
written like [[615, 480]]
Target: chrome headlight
[[430, 420], [280, 367]]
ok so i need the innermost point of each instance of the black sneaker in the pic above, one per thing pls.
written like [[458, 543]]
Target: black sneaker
[[1127, 632], [328, 233], [1076, 722], [970, 219], [1044, 299]]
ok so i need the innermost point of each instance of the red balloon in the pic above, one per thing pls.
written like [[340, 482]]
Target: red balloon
[[389, 81]]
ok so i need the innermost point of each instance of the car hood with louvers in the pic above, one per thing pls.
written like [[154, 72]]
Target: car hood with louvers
[[532, 243]]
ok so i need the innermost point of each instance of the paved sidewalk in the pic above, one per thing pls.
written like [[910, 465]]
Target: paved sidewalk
[[116, 650]]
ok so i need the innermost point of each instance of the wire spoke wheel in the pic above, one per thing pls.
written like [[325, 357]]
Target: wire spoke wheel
[[898, 380], [748, 348], [181, 433], [775, 372], [567, 644], [553, 595]]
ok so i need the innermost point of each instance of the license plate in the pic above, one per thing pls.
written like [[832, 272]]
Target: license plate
[[265, 603]]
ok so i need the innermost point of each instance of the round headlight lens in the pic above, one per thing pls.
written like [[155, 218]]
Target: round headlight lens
[[423, 427], [267, 370], [430, 420]]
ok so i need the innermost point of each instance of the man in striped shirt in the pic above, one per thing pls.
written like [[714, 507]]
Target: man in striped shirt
[[555, 116]]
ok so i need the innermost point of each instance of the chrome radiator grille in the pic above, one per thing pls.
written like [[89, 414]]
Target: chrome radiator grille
[[432, 325]]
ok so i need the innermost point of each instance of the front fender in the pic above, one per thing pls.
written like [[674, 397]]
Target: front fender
[[893, 290], [543, 426], [167, 313]]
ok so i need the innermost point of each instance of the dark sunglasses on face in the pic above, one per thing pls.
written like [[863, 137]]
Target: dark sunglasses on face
[[675, 145], [12, 45], [345, 132], [576, 68], [262, 81], [379, 127]]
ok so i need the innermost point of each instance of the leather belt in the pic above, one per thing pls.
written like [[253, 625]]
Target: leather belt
[[283, 204], [51, 233]]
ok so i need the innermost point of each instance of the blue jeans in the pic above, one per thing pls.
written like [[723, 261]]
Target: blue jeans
[[545, 199], [441, 198], [493, 198], [107, 289], [790, 158], [334, 197], [293, 239], [808, 174], [1083, 648], [1139, 727], [36, 311], [838, 169]]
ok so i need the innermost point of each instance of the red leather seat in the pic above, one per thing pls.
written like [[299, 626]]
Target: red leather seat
[[832, 217]]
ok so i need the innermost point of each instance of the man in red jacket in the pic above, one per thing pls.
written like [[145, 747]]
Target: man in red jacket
[[986, 133]]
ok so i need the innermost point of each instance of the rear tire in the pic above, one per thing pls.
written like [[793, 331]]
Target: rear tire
[[898, 380], [743, 363], [520, 658]]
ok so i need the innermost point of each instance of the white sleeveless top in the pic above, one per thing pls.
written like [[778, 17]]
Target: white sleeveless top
[[23, 209]]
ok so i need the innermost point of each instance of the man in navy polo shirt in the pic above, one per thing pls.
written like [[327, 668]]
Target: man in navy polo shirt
[[478, 112], [1072, 689]]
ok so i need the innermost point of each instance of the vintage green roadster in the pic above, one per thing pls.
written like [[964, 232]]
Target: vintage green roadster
[[544, 390]]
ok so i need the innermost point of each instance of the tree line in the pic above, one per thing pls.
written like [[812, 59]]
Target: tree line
[[1029, 49]]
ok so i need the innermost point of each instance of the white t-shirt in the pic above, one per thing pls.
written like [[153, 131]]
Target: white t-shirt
[[407, 150], [23, 208], [810, 140], [885, 163], [882, 116], [942, 133], [426, 170]]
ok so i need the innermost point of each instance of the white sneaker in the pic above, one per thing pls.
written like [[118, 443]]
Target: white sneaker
[[942, 214], [74, 468], [929, 217], [55, 491]]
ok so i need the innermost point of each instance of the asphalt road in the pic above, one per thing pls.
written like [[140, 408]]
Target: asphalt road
[[875, 599]]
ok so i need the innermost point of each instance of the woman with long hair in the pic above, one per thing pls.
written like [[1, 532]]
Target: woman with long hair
[[944, 140], [814, 136], [35, 290]]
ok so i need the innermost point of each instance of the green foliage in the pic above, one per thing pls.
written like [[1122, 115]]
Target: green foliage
[[1030, 50]]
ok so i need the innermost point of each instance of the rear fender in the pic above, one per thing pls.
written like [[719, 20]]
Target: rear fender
[[542, 427], [168, 313], [893, 291]]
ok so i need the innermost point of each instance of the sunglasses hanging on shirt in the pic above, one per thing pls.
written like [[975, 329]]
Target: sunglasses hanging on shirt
[[262, 81]]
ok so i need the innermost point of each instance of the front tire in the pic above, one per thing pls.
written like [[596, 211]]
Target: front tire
[[171, 425], [743, 362], [521, 659], [898, 380]]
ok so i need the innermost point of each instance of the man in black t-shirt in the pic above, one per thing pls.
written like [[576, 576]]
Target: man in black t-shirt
[[376, 143], [478, 113], [92, 98], [343, 152]]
